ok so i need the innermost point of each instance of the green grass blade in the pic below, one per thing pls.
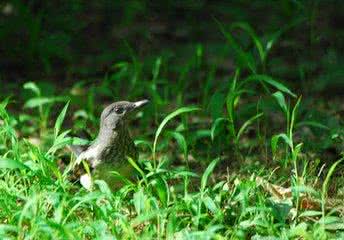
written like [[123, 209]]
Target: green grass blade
[[215, 125], [281, 101], [207, 173], [40, 101], [267, 79], [275, 140], [33, 87], [180, 139], [249, 30], [243, 59], [246, 124], [60, 119], [12, 164], [167, 119], [326, 185]]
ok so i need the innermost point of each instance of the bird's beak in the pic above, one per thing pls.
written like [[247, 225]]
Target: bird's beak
[[140, 104]]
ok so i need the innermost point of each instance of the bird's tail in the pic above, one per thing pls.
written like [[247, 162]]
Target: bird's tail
[[79, 142]]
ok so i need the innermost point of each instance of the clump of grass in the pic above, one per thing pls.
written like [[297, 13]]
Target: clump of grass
[[38, 200]]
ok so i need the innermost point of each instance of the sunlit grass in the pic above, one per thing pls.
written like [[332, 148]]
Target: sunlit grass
[[38, 200]]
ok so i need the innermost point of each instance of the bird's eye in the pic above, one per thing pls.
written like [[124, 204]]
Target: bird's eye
[[119, 110]]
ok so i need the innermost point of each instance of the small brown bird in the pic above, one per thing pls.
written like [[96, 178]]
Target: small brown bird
[[109, 151]]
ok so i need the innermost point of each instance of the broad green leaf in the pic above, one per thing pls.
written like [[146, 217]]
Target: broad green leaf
[[81, 114], [299, 189], [58, 213], [275, 139], [281, 101], [326, 184], [156, 69], [139, 199], [246, 124], [299, 231], [336, 226], [60, 141], [231, 101], [161, 188], [215, 125], [60, 119], [7, 228], [33, 87], [180, 140], [210, 204], [310, 213], [133, 163], [39, 101], [185, 173], [172, 224], [297, 150], [79, 141], [142, 218], [312, 124], [207, 173], [120, 177], [293, 117], [4, 103], [167, 119], [332, 223], [80, 200], [103, 187], [144, 143], [267, 79], [200, 134], [12, 164]]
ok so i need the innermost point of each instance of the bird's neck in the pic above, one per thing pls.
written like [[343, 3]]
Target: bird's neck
[[108, 135]]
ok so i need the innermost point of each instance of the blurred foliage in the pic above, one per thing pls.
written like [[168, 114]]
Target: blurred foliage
[[69, 40]]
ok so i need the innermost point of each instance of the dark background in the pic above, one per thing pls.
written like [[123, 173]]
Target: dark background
[[69, 41]]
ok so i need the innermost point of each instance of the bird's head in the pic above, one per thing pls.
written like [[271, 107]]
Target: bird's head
[[115, 114]]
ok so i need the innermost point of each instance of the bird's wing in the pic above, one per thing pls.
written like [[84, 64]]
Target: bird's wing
[[81, 141]]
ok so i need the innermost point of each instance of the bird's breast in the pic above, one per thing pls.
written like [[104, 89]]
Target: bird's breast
[[120, 147]]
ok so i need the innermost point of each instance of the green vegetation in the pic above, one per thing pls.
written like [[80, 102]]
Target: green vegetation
[[243, 137]]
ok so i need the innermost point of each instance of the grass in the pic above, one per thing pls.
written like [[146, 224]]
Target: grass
[[239, 156], [168, 200]]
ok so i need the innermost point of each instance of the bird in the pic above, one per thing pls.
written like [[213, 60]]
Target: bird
[[111, 148]]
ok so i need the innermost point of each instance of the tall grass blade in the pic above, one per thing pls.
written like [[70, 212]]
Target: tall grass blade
[[12, 164], [207, 173], [60, 119], [166, 120]]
